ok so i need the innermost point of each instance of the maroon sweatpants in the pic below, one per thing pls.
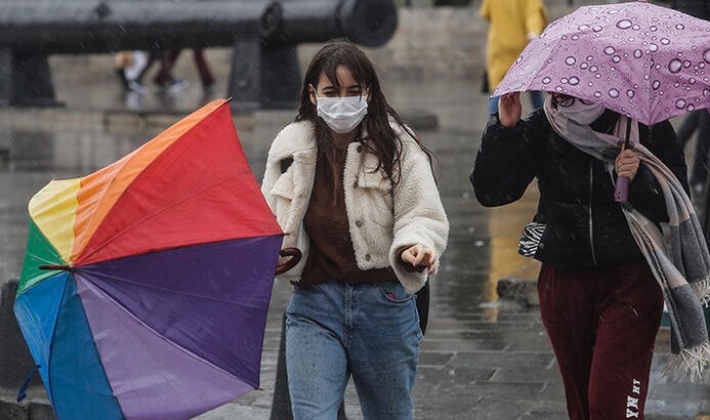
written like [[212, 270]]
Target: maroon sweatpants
[[602, 323]]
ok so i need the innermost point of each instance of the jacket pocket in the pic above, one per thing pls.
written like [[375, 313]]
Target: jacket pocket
[[374, 184], [374, 180], [373, 198], [531, 238]]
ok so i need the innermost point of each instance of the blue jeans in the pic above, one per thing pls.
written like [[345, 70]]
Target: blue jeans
[[335, 330], [537, 99]]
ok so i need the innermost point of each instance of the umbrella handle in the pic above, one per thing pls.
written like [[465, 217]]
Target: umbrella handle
[[621, 193], [295, 255]]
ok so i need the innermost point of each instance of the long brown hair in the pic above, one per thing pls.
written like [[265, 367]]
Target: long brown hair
[[382, 140]]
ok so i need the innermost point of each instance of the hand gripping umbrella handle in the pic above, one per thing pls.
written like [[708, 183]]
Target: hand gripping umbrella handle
[[295, 255], [621, 193]]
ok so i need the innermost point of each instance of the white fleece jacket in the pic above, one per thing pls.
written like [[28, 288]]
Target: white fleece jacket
[[382, 219]]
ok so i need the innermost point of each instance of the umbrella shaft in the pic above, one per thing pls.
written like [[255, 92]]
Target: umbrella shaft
[[628, 132], [63, 267]]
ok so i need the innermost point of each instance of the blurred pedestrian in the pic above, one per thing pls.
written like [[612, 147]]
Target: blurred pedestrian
[[600, 293], [121, 60], [129, 67], [353, 188], [697, 121], [164, 75], [163, 78], [511, 25], [697, 8], [133, 66]]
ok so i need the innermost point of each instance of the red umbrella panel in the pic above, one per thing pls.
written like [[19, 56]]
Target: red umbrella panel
[[146, 284]]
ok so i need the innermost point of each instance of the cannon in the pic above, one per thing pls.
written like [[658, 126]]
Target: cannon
[[265, 72]]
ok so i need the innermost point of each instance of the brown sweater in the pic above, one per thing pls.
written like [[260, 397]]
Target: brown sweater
[[326, 221]]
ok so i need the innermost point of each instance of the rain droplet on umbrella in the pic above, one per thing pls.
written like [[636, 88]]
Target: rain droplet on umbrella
[[675, 65], [624, 24]]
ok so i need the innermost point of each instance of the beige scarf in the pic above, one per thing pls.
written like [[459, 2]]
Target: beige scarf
[[678, 256]]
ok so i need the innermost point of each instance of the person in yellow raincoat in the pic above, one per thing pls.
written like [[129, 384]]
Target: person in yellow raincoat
[[512, 24]]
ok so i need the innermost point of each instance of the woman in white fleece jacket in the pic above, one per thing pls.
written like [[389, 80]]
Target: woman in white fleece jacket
[[353, 188]]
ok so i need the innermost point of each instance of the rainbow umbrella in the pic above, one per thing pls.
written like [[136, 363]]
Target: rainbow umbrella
[[146, 284]]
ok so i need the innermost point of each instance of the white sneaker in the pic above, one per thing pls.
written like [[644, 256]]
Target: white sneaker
[[176, 86], [136, 86]]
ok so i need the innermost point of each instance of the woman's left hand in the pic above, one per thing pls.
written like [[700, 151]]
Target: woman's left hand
[[627, 163], [420, 257]]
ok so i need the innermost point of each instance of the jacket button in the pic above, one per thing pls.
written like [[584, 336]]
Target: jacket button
[[359, 149], [355, 184], [358, 223], [367, 257]]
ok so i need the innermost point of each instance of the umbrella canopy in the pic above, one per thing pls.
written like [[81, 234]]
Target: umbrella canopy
[[644, 61], [146, 284]]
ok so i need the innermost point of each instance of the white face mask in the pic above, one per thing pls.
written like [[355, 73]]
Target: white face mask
[[342, 114], [581, 112]]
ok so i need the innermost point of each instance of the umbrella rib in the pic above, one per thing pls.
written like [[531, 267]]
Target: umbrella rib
[[164, 289], [50, 353], [128, 158], [98, 290], [527, 85], [48, 262], [153, 287], [638, 59], [147, 217]]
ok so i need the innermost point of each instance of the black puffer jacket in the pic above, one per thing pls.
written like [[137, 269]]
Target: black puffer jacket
[[584, 225]]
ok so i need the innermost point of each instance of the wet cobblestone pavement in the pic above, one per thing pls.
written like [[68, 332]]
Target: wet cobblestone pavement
[[482, 358]]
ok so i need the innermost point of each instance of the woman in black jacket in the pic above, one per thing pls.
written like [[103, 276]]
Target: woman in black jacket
[[599, 302]]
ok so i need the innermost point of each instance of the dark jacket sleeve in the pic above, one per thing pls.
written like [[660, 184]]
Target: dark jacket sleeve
[[507, 160], [644, 192]]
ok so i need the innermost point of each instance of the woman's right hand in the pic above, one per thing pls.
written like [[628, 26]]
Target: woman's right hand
[[420, 257], [510, 109]]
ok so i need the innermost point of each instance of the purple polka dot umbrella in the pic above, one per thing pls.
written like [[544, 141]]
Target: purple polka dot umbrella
[[647, 62]]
